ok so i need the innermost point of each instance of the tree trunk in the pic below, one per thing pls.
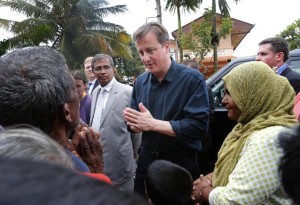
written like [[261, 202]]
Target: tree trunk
[[179, 35], [214, 36]]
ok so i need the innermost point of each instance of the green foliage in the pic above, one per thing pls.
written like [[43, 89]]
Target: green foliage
[[199, 40], [185, 5], [291, 36], [74, 27], [130, 67], [4, 45]]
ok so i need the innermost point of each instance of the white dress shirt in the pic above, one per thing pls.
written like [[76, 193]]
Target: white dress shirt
[[100, 104]]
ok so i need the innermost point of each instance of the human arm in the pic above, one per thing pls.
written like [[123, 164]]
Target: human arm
[[136, 139], [255, 178], [143, 121], [201, 188], [192, 125], [85, 143], [181, 104]]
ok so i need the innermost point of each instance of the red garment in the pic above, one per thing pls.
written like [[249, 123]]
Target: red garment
[[98, 176], [297, 107]]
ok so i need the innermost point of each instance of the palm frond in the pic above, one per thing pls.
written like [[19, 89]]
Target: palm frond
[[29, 10], [4, 23], [103, 12], [224, 8]]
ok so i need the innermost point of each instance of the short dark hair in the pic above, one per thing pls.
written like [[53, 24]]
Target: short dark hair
[[79, 75], [168, 183], [277, 45], [289, 167], [100, 57], [158, 29], [34, 86], [34, 183]]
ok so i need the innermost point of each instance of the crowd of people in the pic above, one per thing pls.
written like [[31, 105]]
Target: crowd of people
[[86, 138]]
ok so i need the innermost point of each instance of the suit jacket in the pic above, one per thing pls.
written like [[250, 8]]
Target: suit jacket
[[293, 77], [118, 143], [96, 84]]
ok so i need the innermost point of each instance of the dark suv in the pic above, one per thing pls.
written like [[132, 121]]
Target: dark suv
[[222, 125]]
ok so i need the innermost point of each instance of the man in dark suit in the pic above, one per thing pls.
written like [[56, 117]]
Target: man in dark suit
[[119, 145], [275, 52], [92, 81]]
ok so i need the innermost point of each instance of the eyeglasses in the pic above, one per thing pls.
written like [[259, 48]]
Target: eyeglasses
[[100, 68]]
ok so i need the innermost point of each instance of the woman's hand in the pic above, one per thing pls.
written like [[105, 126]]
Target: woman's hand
[[201, 188]]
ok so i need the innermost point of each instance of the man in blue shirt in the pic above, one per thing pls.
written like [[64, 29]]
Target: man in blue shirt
[[169, 105]]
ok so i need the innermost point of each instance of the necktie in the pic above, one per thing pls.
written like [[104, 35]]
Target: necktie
[[98, 110], [89, 90]]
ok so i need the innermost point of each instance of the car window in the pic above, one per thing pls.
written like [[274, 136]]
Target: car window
[[218, 93], [217, 83], [295, 65]]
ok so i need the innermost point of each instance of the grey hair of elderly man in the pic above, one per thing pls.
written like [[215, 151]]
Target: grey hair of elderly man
[[31, 143]]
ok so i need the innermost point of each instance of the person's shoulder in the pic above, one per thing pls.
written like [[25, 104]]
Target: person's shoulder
[[87, 100], [122, 85], [143, 77], [94, 92], [267, 135], [291, 73], [78, 163], [87, 97], [192, 73]]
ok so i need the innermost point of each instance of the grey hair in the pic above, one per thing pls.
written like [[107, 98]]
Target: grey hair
[[35, 84], [31, 143]]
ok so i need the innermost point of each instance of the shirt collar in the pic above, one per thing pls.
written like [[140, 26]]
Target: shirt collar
[[109, 85], [93, 81], [170, 74], [281, 69]]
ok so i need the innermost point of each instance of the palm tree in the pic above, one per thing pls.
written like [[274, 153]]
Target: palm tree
[[185, 5], [224, 9], [188, 5], [74, 27]]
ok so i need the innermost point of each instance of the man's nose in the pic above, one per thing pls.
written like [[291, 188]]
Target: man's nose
[[146, 57]]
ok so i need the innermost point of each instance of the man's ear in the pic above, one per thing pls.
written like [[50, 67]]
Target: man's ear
[[280, 56], [66, 112], [167, 45]]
